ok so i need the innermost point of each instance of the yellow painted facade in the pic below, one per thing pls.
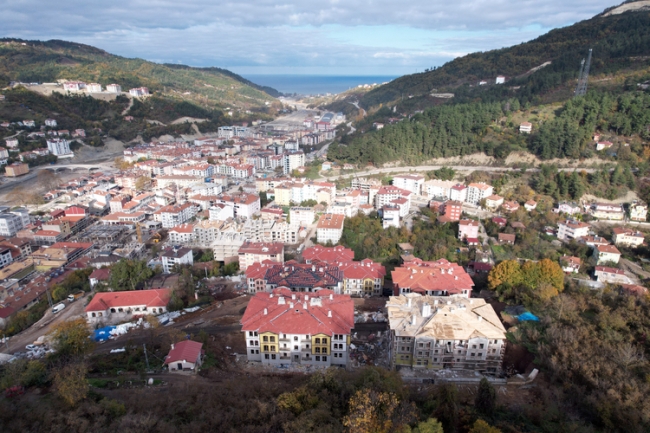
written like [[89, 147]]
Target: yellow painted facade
[[269, 342], [320, 344]]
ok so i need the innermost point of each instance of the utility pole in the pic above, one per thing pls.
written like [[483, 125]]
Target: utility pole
[[146, 358]]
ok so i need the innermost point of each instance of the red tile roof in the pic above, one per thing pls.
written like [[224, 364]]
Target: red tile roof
[[100, 274], [328, 254], [611, 249], [187, 351], [299, 313], [440, 275], [262, 248], [151, 298]]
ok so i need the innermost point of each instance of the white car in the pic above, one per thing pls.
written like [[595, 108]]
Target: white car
[[30, 347]]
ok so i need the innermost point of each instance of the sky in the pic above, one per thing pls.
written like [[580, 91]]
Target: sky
[[314, 37]]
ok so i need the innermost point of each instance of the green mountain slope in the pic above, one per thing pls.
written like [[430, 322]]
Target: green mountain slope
[[619, 41], [36, 61]]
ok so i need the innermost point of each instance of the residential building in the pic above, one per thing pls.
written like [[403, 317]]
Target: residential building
[[608, 275], [428, 332], [510, 206], [139, 91], [450, 211], [282, 327], [409, 182], [603, 145], [258, 252], [569, 208], [390, 215], [74, 86], [11, 143], [606, 254], [16, 169], [570, 264], [292, 160], [114, 88], [468, 229], [13, 221], [60, 147], [50, 122], [174, 215], [478, 191], [114, 307], [185, 356], [182, 234], [99, 275], [440, 278], [336, 254], [302, 215], [458, 192], [295, 276], [493, 202], [94, 88], [330, 228], [525, 127], [572, 230], [638, 211], [176, 256], [608, 211], [244, 205], [392, 195], [500, 79], [627, 237], [530, 205], [364, 278], [437, 188], [507, 239]]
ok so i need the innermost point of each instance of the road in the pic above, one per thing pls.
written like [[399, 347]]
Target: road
[[437, 167], [44, 326]]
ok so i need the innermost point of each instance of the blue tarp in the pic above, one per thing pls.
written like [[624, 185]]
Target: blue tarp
[[528, 316], [102, 334]]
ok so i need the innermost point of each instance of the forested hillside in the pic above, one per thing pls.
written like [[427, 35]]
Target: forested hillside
[[618, 42], [36, 61]]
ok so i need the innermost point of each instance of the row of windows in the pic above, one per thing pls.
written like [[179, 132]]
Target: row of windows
[[268, 339], [320, 341]]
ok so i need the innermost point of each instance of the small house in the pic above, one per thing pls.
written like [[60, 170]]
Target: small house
[[185, 356]]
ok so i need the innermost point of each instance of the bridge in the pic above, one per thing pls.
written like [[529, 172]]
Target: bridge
[[57, 168]]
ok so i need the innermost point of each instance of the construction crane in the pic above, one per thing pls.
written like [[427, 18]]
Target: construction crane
[[583, 77]]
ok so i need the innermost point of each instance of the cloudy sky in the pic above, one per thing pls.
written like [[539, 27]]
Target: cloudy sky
[[323, 37]]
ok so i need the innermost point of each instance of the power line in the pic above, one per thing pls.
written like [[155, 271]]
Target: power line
[[583, 77]]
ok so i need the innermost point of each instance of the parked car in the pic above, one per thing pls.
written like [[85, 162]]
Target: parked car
[[58, 307]]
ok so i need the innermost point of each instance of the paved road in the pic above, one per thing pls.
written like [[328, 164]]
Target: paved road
[[436, 167]]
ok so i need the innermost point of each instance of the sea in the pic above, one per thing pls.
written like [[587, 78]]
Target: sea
[[316, 84]]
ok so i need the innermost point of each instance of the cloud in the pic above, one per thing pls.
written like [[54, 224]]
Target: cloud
[[293, 34]]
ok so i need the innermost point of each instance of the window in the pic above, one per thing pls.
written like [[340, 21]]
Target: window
[[473, 354], [435, 359], [295, 338], [318, 350], [255, 333], [250, 333], [324, 340], [284, 335], [284, 345], [252, 343], [474, 346], [273, 356], [318, 358], [324, 350], [266, 348], [265, 339], [257, 352], [420, 344], [317, 341], [481, 346], [324, 358], [257, 343], [266, 356], [295, 347], [252, 352], [272, 339]]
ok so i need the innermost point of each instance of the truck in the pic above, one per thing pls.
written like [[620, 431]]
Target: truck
[[58, 307], [74, 296]]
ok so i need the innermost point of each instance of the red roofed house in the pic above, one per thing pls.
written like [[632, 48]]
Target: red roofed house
[[439, 278], [627, 237], [120, 306], [606, 253], [510, 206], [99, 275], [605, 274], [298, 277], [283, 327], [506, 238], [185, 356], [570, 264], [328, 254]]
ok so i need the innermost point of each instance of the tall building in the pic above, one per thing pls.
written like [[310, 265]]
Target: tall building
[[429, 332], [59, 147], [330, 228], [283, 327]]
